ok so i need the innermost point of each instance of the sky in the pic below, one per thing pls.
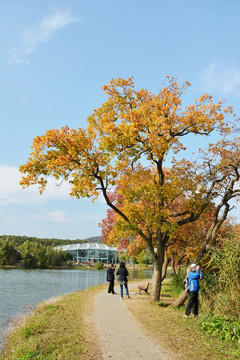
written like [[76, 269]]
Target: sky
[[55, 56]]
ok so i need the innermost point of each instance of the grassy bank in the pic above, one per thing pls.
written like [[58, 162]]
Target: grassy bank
[[57, 329], [61, 328], [180, 336]]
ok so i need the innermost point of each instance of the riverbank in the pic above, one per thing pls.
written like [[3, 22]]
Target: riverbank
[[77, 266], [65, 328], [63, 267], [58, 328]]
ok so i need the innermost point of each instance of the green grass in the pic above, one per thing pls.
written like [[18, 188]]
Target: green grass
[[223, 328], [182, 337], [57, 329]]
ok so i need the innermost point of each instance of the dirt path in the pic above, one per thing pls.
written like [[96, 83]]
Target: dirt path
[[120, 334]]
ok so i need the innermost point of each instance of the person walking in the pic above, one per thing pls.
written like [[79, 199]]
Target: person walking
[[123, 274], [193, 280], [111, 278]]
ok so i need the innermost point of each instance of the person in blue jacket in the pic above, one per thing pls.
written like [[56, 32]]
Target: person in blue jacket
[[193, 280]]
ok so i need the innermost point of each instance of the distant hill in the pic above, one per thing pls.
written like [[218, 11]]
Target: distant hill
[[95, 239], [19, 240]]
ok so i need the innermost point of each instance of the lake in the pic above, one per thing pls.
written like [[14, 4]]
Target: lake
[[20, 288]]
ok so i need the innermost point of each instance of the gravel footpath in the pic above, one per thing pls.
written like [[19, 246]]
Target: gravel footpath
[[120, 334]]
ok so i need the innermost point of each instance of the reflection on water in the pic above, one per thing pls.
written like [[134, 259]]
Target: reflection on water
[[22, 288], [140, 274]]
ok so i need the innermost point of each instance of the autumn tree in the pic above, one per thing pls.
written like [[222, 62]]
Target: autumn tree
[[130, 140], [183, 246], [189, 239], [223, 168]]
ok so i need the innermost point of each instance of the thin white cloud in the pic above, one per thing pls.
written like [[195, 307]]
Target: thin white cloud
[[11, 191], [58, 216], [32, 37], [224, 80]]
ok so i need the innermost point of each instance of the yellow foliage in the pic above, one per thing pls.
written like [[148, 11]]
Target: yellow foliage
[[126, 145]]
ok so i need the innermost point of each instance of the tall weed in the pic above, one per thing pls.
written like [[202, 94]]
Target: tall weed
[[177, 284], [220, 293], [221, 288]]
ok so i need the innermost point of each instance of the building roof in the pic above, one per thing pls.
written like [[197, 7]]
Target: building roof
[[86, 246]]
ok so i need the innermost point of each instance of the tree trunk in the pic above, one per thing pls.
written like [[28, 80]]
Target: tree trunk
[[173, 265], [181, 299], [158, 259], [184, 295], [156, 280], [165, 266]]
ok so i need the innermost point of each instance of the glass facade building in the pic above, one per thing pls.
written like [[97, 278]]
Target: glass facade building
[[93, 252]]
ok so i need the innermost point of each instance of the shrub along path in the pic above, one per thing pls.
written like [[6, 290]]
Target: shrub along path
[[120, 335]]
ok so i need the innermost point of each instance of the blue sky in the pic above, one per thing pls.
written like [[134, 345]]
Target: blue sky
[[55, 55]]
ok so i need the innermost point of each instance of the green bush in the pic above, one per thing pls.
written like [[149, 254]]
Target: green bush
[[177, 284], [99, 266], [144, 257], [223, 328]]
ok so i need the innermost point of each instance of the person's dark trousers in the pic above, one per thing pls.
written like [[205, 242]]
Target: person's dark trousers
[[111, 287], [192, 303]]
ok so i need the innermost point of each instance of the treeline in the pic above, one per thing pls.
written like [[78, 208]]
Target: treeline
[[19, 240], [31, 252]]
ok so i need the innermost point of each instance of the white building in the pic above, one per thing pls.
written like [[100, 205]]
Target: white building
[[91, 252]]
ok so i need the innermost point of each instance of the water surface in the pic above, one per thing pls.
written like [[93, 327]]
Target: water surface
[[20, 288]]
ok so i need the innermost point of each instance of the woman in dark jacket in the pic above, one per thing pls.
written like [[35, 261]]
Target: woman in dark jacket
[[123, 274]]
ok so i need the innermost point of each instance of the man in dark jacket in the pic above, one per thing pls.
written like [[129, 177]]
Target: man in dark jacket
[[110, 278]]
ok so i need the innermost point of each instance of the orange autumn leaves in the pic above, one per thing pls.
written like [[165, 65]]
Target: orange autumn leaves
[[127, 126], [125, 147], [183, 240], [66, 154], [139, 121]]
